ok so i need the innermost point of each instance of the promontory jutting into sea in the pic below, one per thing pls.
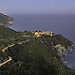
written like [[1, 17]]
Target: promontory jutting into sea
[[37, 37], [32, 50]]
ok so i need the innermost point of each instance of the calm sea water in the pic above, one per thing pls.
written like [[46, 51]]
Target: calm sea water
[[59, 24]]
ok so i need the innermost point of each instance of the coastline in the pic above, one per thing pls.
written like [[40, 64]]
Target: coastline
[[60, 55], [67, 51]]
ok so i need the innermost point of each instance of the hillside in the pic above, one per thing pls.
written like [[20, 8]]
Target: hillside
[[6, 32], [5, 20], [37, 57], [27, 53], [7, 35], [57, 44], [33, 58]]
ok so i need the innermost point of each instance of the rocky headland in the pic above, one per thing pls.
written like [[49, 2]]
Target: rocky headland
[[32, 53]]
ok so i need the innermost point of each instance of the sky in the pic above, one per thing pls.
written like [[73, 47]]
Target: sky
[[37, 6]]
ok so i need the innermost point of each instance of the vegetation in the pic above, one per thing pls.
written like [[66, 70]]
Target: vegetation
[[9, 36], [51, 42], [6, 33], [33, 58], [38, 56]]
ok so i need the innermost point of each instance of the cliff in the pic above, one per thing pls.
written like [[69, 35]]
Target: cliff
[[57, 44]]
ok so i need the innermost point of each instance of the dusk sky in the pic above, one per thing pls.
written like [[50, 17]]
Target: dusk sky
[[37, 6]]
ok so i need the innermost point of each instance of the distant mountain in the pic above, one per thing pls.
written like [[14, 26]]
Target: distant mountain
[[5, 20]]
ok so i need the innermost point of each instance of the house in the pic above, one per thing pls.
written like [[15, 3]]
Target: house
[[36, 33]]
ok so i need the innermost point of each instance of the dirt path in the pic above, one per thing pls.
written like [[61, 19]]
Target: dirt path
[[6, 61], [10, 58]]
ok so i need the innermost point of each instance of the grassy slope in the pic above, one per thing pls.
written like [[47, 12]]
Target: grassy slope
[[33, 58], [6, 32], [7, 36]]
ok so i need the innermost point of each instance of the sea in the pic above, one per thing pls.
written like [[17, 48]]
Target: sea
[[58, 24]]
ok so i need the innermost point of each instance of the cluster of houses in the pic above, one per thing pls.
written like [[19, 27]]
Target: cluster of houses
[[40, 33]]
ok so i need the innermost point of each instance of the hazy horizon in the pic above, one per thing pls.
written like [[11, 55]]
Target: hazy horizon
[[39, 7]]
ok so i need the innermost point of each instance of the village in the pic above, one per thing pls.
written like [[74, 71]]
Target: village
[[39, 33]]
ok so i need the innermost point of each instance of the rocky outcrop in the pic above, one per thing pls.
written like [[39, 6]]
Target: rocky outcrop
[[57, 45], [61, 49]]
